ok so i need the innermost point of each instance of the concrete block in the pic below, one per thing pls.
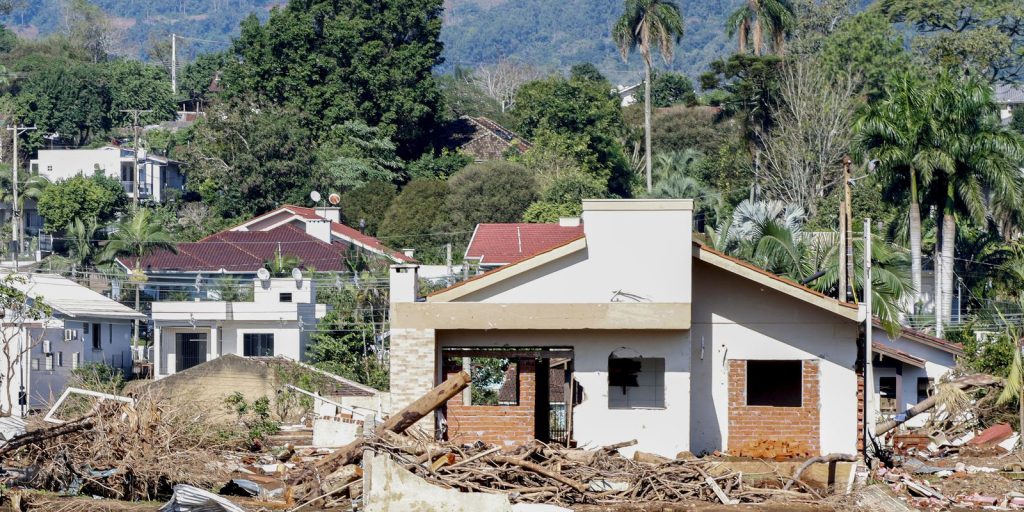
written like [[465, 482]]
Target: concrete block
[[389, 487], [333, 434]]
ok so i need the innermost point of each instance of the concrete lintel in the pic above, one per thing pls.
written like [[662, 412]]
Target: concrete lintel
[[634, 205], [483, 315]]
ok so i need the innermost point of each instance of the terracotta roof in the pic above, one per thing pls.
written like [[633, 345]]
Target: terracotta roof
[[898, 355], [247, 251], [927, 339], [498, 244], [340, 230]]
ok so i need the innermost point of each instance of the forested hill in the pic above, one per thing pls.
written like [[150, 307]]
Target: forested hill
[[548, 34], [558, 34]]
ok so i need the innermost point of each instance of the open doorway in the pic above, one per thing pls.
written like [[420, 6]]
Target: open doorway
[[517, 395]]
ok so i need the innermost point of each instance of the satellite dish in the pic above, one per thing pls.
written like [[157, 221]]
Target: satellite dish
[[315, 196], [334, 199], [296, 274], [263, 274]]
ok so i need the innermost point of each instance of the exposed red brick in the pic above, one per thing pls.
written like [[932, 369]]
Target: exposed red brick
[[501, 425], [774, 432]]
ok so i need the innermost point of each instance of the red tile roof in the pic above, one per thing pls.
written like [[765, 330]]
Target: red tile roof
[[341, 230], [498, 244], [247, 251]]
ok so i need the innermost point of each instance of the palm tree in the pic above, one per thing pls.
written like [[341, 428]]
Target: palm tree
[[899, 133], [643, 24], [756, 16], [32, 188], [136, 237], [80, 240], [986, 164]]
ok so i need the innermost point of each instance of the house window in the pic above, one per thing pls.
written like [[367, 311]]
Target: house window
[[60, 359], [49, 361], [887, 395], [49, 169], [925, 388], [775, 383], [35, 363], [495, 381], [636, 383], [285, 297], [258, 344], [97, 341], [75, 360]]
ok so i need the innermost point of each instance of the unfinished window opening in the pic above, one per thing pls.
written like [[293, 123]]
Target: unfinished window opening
[[258, 344], [636, 382], [775, 383], [495, 381], [285, 297], [97, 343], [887, 395], [925, 388]]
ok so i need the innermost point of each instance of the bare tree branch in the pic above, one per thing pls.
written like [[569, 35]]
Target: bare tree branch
[[502, 79]]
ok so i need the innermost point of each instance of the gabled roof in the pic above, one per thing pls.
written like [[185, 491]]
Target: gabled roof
[[482, 138], [247, 251], [897, 354], [927, 339], [1010, 94], [346, 233], [775, 282], [71, 299], [499, 244]]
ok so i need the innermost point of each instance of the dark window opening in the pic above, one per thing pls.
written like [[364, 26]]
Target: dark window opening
[[258, 345], [636, 383], [285, 297], [887, 394], [775, 383], [925, 388], [97, 342]]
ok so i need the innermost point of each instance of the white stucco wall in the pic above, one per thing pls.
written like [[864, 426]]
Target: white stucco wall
[[937, 364], [661, 431], [289, 341], [736, 319]]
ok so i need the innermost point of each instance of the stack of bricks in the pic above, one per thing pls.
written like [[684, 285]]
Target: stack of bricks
[[788, 432], [506, 426]]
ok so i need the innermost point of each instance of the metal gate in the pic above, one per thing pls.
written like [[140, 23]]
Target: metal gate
[[192, 347]]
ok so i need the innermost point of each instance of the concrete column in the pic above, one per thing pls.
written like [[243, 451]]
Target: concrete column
[[158, 347], [213, 348], [413, 368]]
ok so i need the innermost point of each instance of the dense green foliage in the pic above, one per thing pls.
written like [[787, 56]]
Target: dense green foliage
[[488, 193], [81, 197]]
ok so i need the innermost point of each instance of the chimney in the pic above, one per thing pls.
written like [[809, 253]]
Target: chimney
[[404, 283], [409, 253], [319, 229], [569, 222], [329, 213]]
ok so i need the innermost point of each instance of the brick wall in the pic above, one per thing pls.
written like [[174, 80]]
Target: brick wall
[[507, 426], [412, 359], [774, 432]]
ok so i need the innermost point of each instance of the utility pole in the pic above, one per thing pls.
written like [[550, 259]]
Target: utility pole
[[939, 331], [845, 229], [135, 129], [174, 65], [448, 261], [17, 130], [869, 367], [848, 198]]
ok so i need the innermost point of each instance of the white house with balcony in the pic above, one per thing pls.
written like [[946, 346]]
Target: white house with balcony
[[157, 175], [277, 322], [84, 327]]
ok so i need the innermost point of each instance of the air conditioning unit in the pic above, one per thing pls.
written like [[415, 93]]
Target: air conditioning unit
[[47, 349], [70, 334]]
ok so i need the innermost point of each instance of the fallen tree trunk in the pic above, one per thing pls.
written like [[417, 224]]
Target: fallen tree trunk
[[540, 470], [969, 381], [37, 436], [309, 482], [833, 457]]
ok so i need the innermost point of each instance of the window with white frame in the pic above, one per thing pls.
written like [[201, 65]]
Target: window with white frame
[[75, 360], [258, 344], [49, 361]]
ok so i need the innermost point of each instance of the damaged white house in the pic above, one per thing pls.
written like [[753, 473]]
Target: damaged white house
[[640, 332]]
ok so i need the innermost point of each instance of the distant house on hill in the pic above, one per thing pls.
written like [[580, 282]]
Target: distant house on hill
[[157, 175], [1009, 97], [483, 139]]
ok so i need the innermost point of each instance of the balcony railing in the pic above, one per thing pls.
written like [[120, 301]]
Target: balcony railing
[[129, 188]]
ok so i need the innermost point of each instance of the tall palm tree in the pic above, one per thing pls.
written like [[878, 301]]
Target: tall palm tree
[[648, 25], [136, 237], [987, 158], [31, 188], [899, 133], [80, 240], [757, 16]]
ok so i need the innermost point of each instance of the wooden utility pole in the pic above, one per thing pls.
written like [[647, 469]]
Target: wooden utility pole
[[16, 241], [174, 65], [841, 289], [845, 241], [869, 367], [135, 129]]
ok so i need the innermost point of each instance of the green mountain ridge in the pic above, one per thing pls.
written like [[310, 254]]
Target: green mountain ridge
[[549, 35]]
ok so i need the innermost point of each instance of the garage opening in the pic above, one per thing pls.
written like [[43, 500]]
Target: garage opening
[[515, 396]]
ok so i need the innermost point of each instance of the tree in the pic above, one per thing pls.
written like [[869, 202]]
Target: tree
[[501, 80], [671, 89], [134, 238], [346, 60], [415, 216], [563, 197], [489, 192], [1017, 120], [82, 241], [587, 121], [31, 187], [69, 98], [196, 79], [80, 197], [983, 174], [134, 85], [245, 159], [756, 16], [899, 133], [812, 134], [647, 22], [367, 205], [868, 45], [431, 166], [90, 28], [360, 155], [983, 35]]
